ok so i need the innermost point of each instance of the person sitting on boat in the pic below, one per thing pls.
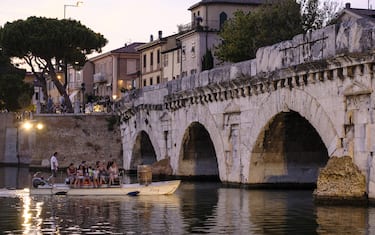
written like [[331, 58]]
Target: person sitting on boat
[[80, 176], [113, 173], [102, 172], [91, 176], [95, 177], [86, 174], [71, 173], [39, 180]]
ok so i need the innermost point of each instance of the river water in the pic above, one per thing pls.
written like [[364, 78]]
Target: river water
[[195, 208]]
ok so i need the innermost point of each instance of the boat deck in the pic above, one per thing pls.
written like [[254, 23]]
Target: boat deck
[[154, 188]]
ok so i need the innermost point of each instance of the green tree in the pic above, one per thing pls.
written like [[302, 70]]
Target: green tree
[[311, 13], [317, 14], [14, 93], [243, 34], [48, 45], [207, 61]]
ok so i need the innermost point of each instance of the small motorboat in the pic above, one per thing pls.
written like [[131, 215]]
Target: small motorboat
[[145, 186], [153, 188]]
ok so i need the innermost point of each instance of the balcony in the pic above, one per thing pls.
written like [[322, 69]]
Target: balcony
[[212, 26], [99, 78]]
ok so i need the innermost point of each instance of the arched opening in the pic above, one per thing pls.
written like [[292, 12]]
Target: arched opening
[[143, 151], [288, 150], [197, 154], [223, 18]]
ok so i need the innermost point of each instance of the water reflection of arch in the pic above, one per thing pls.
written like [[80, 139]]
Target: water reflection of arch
[[244, 211], [199, 201]]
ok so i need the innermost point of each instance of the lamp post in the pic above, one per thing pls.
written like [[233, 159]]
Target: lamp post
[[27, 126], [79, 3], [114, 97], [83, 88]]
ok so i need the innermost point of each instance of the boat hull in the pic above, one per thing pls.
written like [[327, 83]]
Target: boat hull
[[155, 188]]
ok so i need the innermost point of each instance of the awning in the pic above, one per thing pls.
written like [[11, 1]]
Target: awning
[[72, 95]]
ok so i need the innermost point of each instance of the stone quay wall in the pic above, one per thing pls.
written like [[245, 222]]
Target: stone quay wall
[[74, 137], [7, 137]]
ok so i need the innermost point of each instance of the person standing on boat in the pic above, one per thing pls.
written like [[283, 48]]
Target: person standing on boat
[[54, 167]]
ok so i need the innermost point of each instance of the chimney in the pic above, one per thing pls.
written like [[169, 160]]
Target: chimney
[[151, 38], [347, 5], [160, 34]]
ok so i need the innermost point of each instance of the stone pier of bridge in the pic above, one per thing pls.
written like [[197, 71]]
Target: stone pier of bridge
[[278, 118]]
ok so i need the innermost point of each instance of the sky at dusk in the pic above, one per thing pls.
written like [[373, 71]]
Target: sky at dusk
[[120, 21]]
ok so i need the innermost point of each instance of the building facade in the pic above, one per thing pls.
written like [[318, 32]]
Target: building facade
[[181, 54], [150, 59], [114, 72], [207, 19]]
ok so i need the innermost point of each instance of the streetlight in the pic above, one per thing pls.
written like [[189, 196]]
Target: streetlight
[[27, 126], [114, 97], [79, 3], [83, 88]]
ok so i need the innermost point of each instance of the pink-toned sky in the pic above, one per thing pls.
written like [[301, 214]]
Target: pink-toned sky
[[120, 21]]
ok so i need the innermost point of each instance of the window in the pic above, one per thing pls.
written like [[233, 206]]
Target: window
[[144, 82], [151, 58], [178, 56], [157, 79], [144, 61], [165, 60], [223, 18], [131, 66], [183, 52], [158, 57], [193, 49], [151, 82]]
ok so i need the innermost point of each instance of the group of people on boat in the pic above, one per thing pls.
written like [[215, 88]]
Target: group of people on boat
[[93, 176]]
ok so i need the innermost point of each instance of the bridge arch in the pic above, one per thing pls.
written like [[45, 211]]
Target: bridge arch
[[197, 155], [288, 150], [201, 116], [301, 108], [145, 150], [303, 103]]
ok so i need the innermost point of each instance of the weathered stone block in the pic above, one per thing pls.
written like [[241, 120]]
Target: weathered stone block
[[203, 78], [162, 167], [341, 179], [360, 144], [185, 83], [370, 137]]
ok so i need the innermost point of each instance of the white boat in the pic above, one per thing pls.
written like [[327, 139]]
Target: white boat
[[154, 188]]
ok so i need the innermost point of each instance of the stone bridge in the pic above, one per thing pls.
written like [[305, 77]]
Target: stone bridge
[[274, 119]]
